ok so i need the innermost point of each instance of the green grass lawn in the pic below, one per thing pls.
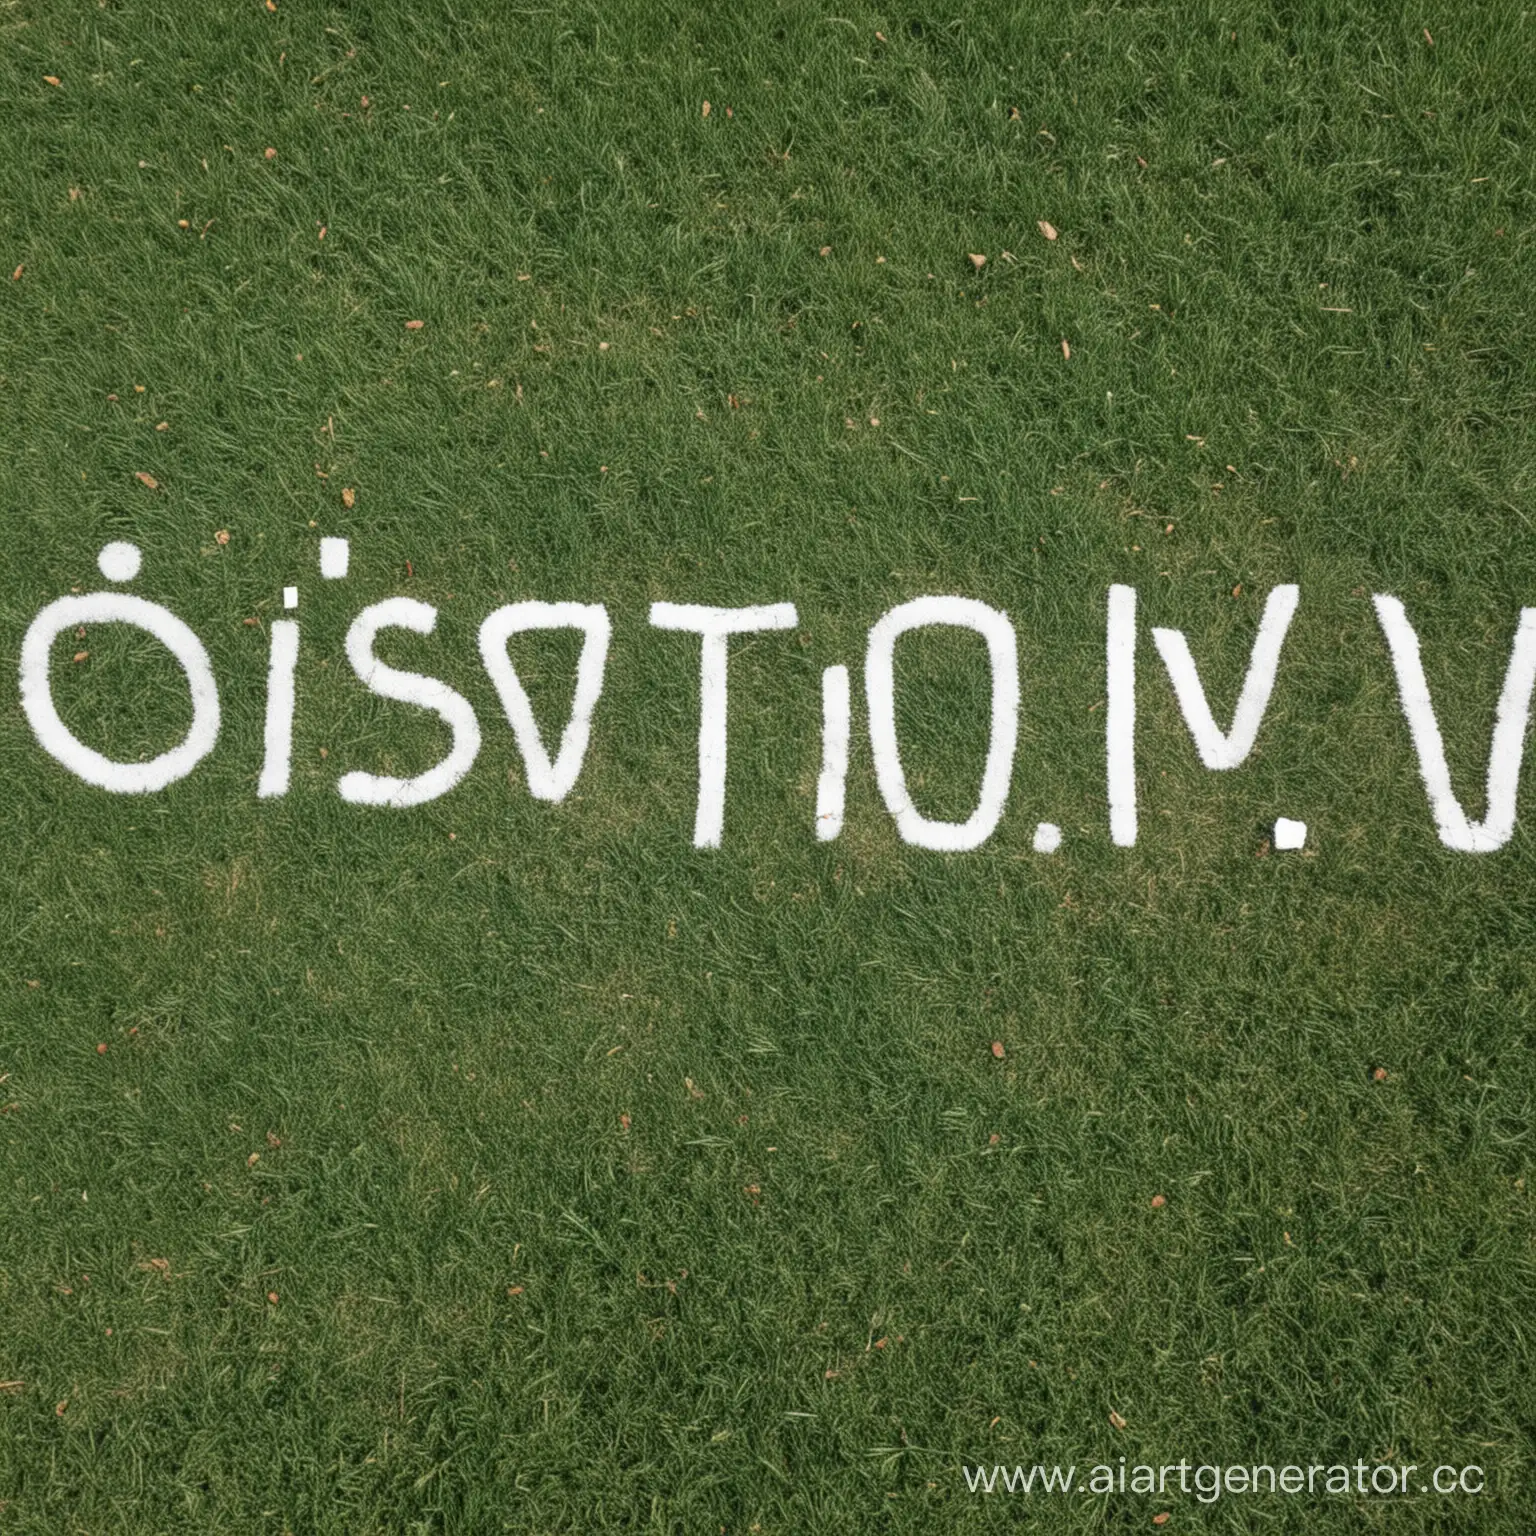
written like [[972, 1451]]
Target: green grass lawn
[[504, 1166]]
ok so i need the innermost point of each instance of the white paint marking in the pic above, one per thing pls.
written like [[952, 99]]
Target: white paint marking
[[278, 763], [290, 597], [548, 780], [409, 688], [335, 558], [1120, 715], [880, 687], [1216, 750], [56, 737], [831, 788], [1047, 837], [119, 561], [1456, 829], [715, 625], [1289, 834]]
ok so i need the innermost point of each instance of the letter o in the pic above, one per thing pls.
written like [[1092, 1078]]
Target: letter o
[[1391, 1484], [880, 688], [60, 742]]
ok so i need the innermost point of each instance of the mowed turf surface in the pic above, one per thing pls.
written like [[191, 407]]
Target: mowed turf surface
[[499, 1166]]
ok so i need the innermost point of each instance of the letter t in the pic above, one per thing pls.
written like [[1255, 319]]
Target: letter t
[[715, 625]]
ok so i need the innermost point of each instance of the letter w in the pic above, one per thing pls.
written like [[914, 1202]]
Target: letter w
[[1456, 829], [1227, 751], [978, 1477]]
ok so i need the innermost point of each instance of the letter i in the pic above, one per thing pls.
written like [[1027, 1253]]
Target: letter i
[[834, 753], [280, 701], [1120, 715]]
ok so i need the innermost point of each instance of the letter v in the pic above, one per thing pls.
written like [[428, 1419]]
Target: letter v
[[1227, 751], [548, 780], [1456, 829]]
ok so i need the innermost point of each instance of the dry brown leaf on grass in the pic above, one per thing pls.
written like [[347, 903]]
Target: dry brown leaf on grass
[[1046, 228], [997, 1049], [348, 497], [1159, 1201], [146, 479], [82, 655], [21, 267], [269, 153], [705, 112], [1116, 1420], [414, 325], [54, 81], [1066, 350], [976, 261], [222, 536]]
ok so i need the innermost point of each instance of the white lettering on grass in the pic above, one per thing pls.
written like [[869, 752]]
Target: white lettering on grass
[[120, 563], [278, 762], [836, 713], [1218, 750], [1456, 829], [408, 688], [880, 686], [548, 780], [1120, 715], [715, 626]]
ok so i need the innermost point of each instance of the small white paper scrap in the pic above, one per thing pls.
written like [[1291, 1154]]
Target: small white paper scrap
[[1289, 834], [335, 555]]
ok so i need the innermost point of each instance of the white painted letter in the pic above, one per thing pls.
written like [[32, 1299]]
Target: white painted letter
[[548, 780], [56, 737], [1498, 824], [880, 687], [1120, 715], [279, 756], [835, 722], [1227, 751], [409, 688], [715, 625]]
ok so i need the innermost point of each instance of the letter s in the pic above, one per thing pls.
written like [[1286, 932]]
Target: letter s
[[409, 688]]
